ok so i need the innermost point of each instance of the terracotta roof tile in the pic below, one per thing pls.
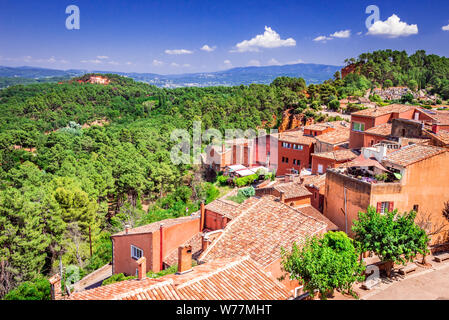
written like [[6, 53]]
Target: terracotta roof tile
[[337, 136], [380, 111], [262, 229], [152, 227], [443, 136], [292, 190], [383, 130], [413, 153], [337, 155], [296, 137], [239, 278], [316, 180], [223, 207]]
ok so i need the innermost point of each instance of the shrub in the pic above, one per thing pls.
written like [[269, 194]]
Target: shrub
[[222, 180], [116, 278], [247, 192], [38, 289]]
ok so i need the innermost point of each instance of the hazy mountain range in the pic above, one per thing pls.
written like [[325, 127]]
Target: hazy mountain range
[[312, 73]]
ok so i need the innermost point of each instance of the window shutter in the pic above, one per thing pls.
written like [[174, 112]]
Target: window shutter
[[391, 206], [379, 207]]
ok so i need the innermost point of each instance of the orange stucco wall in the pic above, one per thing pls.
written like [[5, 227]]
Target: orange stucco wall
[[214, 221], [173, 237], [424, 184], [304, 156]]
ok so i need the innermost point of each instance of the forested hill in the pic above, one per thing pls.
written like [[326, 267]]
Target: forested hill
[[312, 73], [78, 160], [62, 180], [397, 68]]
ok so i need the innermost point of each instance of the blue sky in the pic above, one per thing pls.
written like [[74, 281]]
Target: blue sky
[[166, 36]]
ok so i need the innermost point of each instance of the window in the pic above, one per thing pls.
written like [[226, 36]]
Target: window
[[286, 160], [357, 126], [320, 168], [297, 147], [136, 253], [416, 208], [286, 145], [294, 161], [384, 207]]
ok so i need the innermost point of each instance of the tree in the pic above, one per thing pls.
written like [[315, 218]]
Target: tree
[[38, 289], [393, 237], [388, 83], [334, 105], [324, 263]]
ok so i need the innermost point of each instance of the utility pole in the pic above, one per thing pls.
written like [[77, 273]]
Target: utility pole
[[90, 242]]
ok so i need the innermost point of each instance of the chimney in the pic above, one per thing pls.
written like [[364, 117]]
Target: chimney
[[205, 242], [127, 227], [184, 259], [282, 198], [203, 213], [55, 283], [435, 128], [142, 268]]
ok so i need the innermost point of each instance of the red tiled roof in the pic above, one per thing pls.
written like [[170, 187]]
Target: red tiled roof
[[292, 190], [223, 207], [225, 279], [338, 136], [262, 229], [380, 111], [443, 136], [152, 227], [157, 289], [315, 180], [382, 130], [413, 153], [337, 155], [297, 137]]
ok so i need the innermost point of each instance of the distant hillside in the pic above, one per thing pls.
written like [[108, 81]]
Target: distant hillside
[[312, 73]]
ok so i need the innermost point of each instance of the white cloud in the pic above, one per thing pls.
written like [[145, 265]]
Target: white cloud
[[296, 61], [393, 27], [359, 33], [269, 39], [102, 57], [341, 34], [322, 39], [174, 64], [273, 62], [186, 65], [94, 61], [253, 63], [207, 48], [445, 28], [178, 51], [128, 63], [157, 63], [114, 63]]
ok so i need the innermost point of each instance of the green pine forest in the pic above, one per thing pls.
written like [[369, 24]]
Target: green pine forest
[[65, 188]]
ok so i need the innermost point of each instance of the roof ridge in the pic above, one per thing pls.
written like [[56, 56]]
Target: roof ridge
[[142, 289], [233, 221], [214, 272]]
